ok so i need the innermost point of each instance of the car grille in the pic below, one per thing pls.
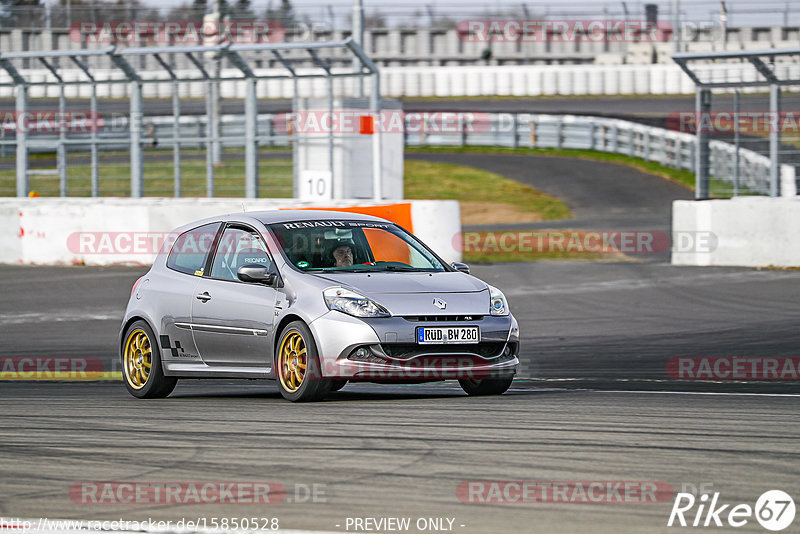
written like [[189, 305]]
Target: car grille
[[441, 318], [485, 349]]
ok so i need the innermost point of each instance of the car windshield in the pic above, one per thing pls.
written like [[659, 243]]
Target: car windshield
[[353, 246]]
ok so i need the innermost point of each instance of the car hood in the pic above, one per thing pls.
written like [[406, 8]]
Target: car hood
[[414, 293], [383, 283]]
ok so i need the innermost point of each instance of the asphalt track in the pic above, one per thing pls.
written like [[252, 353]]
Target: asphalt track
[[598, 324], [602, 322], [601, 195], [389, 452], [592, 406]]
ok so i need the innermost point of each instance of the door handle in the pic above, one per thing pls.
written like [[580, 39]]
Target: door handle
[[205, 297]]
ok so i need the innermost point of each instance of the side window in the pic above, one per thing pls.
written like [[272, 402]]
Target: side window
[[238, 247], [188, 254]]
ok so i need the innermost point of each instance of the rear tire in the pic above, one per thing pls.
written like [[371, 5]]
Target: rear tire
[[297, 365], [141, 364], [486, 386]]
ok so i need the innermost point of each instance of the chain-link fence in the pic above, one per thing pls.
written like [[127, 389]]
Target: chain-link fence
[[744, 121], [731, 104], [112, 141]]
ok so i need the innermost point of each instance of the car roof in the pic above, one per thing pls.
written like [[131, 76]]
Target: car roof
[[279, 216], [267, 217]]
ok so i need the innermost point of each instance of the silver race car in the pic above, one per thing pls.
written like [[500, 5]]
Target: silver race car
[[312, 299]]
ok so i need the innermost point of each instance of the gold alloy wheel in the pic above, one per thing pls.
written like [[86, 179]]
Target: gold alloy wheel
[[138, 358], [292, 361]]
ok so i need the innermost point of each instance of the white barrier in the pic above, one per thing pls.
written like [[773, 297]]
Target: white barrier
[[447, 81], [108, 231], [743, 231]]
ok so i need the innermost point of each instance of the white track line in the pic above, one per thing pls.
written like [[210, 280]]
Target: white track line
[[721, 393], [554, 389]]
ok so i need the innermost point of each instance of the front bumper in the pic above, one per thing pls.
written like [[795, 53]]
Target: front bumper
[[390, 351]]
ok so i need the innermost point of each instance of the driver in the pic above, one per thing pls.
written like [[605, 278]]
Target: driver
[[343, 255]]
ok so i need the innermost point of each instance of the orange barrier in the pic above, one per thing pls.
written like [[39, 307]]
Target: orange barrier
[[397, 213]]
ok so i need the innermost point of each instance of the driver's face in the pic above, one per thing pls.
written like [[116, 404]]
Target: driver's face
[[343, 256]]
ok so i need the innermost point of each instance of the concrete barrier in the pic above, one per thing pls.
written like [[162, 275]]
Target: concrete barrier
[[743, 231], [518, 83], [595, 83], [442, 81], [534, 82], [109, 231], [549, 82]]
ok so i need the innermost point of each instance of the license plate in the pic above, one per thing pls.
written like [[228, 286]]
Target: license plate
[[429, 335]]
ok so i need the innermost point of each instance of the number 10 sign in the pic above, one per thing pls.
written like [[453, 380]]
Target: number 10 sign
[[316, 185]]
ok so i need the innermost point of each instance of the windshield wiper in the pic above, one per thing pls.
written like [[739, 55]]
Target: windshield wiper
[[397, 268]]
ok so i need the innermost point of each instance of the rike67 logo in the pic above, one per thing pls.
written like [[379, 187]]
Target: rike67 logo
[[774, 510]]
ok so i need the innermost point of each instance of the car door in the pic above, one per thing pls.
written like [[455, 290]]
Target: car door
[[232, 321], [174, 290]]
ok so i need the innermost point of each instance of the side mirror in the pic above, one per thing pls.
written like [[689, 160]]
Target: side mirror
[[460, 267], [253, 273]]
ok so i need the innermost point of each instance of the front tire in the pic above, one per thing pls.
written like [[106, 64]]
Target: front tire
[[486, 386], [297, 365], [141, 364]]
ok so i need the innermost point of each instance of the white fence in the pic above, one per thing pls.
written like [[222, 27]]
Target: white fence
[[664, 146], [410, 81], [425, 81], [667, 147]]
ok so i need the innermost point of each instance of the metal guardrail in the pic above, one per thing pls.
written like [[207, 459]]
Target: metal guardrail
[[667, 147], [524, 130], [207, 60]]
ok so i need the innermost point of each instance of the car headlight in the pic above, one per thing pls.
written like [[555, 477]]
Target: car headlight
[[353, 303], [498, 305]]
